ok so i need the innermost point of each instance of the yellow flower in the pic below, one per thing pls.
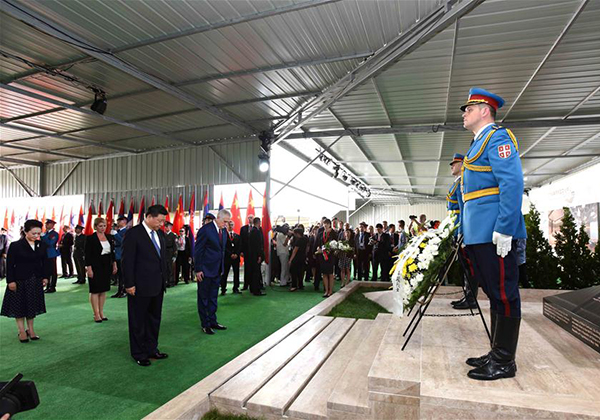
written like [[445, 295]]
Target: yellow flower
[[412, 268], [423, 245], [409, 261]]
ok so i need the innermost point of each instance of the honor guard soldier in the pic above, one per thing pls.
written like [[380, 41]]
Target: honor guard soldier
[[50, 238], [492, 190], [454, 200]]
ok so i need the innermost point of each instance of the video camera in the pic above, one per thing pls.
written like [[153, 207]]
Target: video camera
[[413, 217], [16, 396]]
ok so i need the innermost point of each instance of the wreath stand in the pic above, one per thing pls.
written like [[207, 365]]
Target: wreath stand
[[423, 303]]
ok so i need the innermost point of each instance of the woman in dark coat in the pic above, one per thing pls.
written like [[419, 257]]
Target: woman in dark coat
[[27, 270], [100, 265], [326, 259]]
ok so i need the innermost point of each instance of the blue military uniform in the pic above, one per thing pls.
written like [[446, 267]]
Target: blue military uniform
[[455, 203], [50, 238], [492, 189]]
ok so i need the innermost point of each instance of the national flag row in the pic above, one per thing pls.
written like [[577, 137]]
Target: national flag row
[[178, 219]]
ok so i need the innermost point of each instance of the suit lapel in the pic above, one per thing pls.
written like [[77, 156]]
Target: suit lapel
[[149, 242]]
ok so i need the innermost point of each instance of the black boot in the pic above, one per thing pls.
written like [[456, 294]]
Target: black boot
[[502, 357], [456, 302], [480, 361]]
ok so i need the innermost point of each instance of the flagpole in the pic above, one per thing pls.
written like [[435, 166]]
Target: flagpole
[[268, 202]]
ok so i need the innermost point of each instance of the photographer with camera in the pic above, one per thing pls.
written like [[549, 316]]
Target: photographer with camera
[[417, 227]]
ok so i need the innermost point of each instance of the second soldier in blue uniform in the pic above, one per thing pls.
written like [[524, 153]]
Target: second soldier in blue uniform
[[492, 190]]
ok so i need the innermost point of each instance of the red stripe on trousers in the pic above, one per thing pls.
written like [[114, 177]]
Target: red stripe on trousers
[[468, 262], [502, 290]]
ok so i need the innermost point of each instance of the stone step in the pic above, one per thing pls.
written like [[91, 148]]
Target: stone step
[[195, 400], [278, 394], [233, 395], [350, 397], [312, 401]]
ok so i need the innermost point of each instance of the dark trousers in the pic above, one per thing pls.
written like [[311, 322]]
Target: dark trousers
[[120, 277], [362, 261], [470, 280], [208, 293], [381, 261], [54, 276], [170, 269], [499, 278], [79, 258], [235, 264], [144, 314], [254, 277], [66, 261], [182, 265], [318, 275], [297, 273]]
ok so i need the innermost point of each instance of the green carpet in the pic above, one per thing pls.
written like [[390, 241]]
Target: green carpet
[[83, 370], [358, 306]]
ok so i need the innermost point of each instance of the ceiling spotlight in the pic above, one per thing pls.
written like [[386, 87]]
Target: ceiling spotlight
[[263, 162], [100, 103]]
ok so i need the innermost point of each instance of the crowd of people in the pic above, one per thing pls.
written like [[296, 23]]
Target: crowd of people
[[301, 255]]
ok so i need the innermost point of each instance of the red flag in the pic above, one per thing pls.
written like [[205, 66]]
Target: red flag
[[71, 218], [206, 208], [266, 227], [36, 214], [250, 208], [141, 213], [221, 205], [43, 221], [168, 216], [80, 220], [192, 213], [109, 216], [12, 219], [100, 209], [122, 208], [153, 200], [53, 216], [236, 216], [5, 225], [60, 223], [130, 214], [88, 224], [178, 220]]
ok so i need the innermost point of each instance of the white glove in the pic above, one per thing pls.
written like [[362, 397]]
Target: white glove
[[503, 243]]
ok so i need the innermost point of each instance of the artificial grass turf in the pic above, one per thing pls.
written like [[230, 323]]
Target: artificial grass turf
[[358, 306], [83, 369]]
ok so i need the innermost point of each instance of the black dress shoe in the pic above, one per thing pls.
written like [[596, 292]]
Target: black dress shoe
[[50, 291], [104, 319], [143, 362], [23, 341], [76, 282], [218, 327], [456, 302], [465, 305], [158, 355], [32, 337], [478, 361], [116, 295], [259, 294], [237, 292], [223, 293], [208, 331]]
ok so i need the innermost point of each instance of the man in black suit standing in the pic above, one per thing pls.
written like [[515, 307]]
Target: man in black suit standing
[[145, 273], [381, 253], [79, 254], [171, 251], [65, 245], [361, 241], [209, 261], [244, 233], [255, 256], [232, 259]]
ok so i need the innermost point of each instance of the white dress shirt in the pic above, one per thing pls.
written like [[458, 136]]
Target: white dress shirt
[[150, 234]]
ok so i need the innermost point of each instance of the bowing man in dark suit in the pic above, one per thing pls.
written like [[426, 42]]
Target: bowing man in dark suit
[[209, 262], [145, 274], [232, 259]]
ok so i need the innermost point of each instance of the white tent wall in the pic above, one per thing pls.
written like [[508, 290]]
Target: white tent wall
[[435, 210]]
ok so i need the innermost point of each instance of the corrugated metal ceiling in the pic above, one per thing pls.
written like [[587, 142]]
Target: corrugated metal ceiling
[[499, 46]]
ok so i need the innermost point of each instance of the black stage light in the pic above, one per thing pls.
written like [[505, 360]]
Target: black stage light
[[100, 103]]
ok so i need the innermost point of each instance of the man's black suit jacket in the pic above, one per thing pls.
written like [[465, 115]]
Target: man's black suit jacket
[[233, 246], [382, 246], [244, 231], [142, 266]]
